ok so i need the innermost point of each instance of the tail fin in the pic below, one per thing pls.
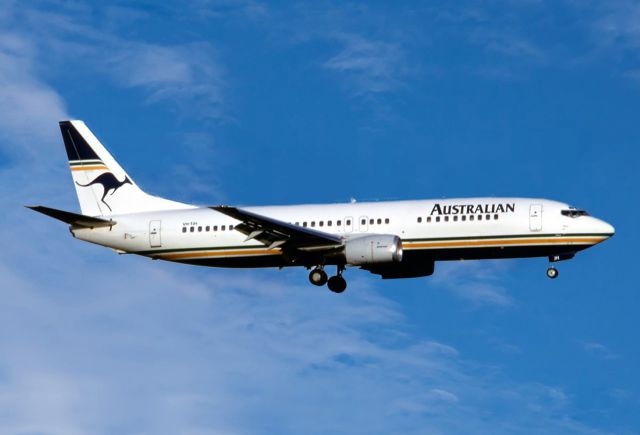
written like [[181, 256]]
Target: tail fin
[[103, 187]]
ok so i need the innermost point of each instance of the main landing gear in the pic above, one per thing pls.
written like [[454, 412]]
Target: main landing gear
[[318, 277], [336, 284], [552, 272]]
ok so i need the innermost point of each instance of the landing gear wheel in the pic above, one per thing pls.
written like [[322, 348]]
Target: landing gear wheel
[[552, 272], [318, 277], [337, 284]]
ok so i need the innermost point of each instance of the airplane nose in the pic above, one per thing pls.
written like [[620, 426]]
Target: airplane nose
[[606, 228]]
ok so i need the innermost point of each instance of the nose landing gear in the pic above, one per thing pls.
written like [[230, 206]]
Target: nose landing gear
[[552, 272]]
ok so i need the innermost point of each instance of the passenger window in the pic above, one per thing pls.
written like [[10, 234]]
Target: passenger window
[[298, 224], [379, 221], [464, 218], [321, 223], [230, 227], [184, 229], [428, 219], [495, 216], [488, 217], [363, 222], [371, 221], [215, 228], [455, 218], [199, 229], [386, 221], [329, 223], [339, 223], [222, 228], [192, 229], [348, 222], [419, 219], [437, 218], [313, 223], [304, 224], [479, 217], [446, 218]]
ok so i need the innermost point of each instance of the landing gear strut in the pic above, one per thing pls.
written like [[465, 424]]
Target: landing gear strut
[[552, 272], [318, 277], [337, 284]]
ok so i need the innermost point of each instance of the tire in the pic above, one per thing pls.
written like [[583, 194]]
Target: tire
[[552, 272], [318, 277], [337, 284]]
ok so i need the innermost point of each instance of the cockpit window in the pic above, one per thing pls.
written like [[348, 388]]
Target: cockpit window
[[574, 212]]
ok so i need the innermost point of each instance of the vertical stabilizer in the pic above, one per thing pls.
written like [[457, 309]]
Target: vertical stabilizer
[[103, 187]]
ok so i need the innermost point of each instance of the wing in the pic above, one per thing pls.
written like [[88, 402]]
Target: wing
[[276, 233]]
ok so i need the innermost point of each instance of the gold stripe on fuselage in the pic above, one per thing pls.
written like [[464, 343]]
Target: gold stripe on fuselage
[[436, 244], [500, 242], [235, 253]]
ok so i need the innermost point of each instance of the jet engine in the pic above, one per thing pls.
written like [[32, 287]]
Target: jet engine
[[373, 249]]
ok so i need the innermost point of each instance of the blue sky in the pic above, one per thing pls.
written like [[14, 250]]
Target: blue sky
[[245, 102]]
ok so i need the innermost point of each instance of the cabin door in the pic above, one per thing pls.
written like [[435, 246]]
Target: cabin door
[[535, 217], [154, 234]]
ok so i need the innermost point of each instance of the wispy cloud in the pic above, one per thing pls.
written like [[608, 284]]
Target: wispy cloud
[[617, 23], [599, 350], [30, 107], [370, 66], [514, 47], [475, 282], [188, 74]]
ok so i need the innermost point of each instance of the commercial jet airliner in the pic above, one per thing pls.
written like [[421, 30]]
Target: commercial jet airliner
[[399, 239]]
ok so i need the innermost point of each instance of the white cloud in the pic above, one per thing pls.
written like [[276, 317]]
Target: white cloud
[[599, 350], [30, 108], [371, 67], [617, 23], [476, 282], [188, 74]]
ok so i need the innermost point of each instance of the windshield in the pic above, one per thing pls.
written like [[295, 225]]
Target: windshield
[[574, 212]]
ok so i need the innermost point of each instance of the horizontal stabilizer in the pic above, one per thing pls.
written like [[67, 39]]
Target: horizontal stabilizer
[[75, 219]]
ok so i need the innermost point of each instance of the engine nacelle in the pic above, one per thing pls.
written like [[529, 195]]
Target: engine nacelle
[[374, 249]]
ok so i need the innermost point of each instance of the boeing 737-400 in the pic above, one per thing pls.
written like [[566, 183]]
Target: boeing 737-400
[[399, 239]]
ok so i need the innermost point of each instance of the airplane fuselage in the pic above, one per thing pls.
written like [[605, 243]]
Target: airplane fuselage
[[430, 230]]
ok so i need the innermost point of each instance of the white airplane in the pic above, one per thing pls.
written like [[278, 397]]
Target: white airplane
[[399, 239]]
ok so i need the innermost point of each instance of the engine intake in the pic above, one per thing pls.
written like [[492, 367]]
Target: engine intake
[[374, 249]]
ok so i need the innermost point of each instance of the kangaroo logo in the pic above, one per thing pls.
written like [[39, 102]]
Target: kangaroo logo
[[109, 183]]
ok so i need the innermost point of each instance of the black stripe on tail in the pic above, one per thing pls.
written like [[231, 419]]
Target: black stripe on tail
[[77, 148]]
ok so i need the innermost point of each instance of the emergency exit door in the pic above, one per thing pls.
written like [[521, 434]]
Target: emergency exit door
[[535, 217], [154, 234]]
